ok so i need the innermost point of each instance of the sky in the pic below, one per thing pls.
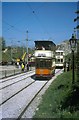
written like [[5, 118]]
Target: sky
[[39, 0], [0, 19], [43, 21]]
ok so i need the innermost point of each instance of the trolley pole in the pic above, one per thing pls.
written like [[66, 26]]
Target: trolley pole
[[27, 45]]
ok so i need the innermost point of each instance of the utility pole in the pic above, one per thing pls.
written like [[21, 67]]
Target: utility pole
[[11, 51], [27, 45]]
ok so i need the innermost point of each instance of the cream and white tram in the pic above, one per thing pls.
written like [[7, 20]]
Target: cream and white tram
[[44, 58], [59, 54]]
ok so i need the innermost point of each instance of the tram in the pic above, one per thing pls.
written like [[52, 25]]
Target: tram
[[59, 58], [44, 59]]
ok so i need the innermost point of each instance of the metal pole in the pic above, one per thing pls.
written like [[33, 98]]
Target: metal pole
[[11, 50], [27, 46], [73, 74]]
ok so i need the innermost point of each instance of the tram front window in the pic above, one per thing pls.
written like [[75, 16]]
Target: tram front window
[[43, 63]]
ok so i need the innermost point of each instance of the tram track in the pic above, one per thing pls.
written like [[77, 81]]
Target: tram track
[[19, 101], [16, 93], [25, 109], [12, 98], [20, 116], [21, 79]]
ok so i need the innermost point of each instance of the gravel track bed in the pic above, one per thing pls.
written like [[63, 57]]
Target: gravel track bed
[[19, 78], [14, 107], [10, 91], [29, 113]]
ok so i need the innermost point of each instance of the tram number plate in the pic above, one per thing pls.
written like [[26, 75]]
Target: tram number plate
[[41, 55]]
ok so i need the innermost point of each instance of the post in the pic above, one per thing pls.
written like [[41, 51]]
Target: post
[[11, 52], [78, 61], [27, 46], [73, 74], [5, 73], [14, 71], [73, 43]]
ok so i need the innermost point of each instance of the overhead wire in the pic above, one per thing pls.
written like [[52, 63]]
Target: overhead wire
[[21, 20], [12, 27], [33, 11]]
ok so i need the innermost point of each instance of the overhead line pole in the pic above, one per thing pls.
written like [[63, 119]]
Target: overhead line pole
[[27, 45]]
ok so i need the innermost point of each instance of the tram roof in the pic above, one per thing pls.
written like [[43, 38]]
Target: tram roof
[[44, 42]]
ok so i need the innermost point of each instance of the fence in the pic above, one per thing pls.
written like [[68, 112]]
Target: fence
[[8, 73]]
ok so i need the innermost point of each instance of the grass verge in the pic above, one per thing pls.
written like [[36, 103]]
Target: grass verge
[[61, 100]]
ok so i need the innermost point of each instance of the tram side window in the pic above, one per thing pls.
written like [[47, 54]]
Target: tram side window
[[61, 53], [58, 53], [58, 60], [61, 60]]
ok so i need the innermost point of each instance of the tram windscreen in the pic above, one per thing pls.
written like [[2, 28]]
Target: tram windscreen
[[43, 63]]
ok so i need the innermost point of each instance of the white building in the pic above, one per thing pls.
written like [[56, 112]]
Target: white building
[[59, 55]]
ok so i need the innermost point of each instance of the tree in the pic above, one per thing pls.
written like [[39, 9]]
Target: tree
[[77, 27]]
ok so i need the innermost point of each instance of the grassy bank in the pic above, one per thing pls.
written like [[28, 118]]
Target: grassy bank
[[61, 100]]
